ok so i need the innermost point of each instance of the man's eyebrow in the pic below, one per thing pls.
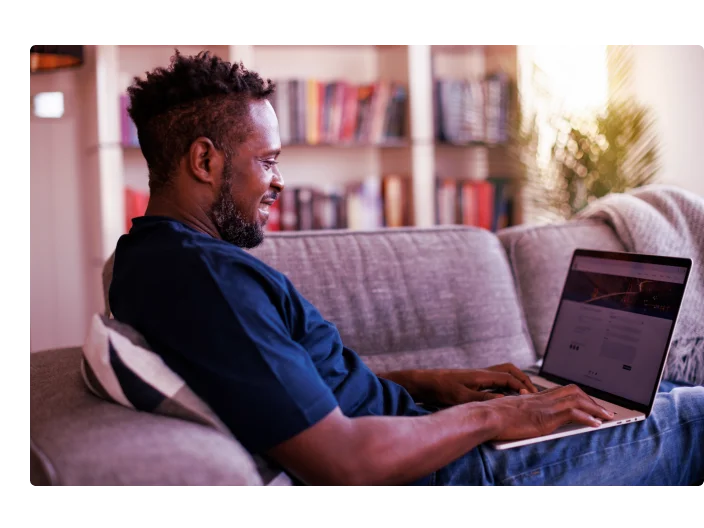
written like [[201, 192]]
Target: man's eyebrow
[[273, 152]]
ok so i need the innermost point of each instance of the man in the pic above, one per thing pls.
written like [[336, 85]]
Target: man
[[278, 374]]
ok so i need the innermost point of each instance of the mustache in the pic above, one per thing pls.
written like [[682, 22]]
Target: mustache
[[272, 196]]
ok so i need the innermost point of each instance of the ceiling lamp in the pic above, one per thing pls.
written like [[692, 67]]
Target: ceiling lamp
[[48, 58]]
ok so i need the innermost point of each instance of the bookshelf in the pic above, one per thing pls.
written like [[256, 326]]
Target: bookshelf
[[415, 157], [478, 83]]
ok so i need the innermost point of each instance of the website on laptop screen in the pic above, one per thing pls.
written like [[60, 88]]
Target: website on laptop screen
[[614, 320]]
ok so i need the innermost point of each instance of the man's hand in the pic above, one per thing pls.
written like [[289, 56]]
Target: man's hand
[[532, 415], [453, 387]]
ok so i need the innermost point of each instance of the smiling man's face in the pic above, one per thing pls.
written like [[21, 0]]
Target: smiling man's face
[[251, 181]]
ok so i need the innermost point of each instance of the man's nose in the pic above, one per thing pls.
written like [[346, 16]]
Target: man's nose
[[278, 182]]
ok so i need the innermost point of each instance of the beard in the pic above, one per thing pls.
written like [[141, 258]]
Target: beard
[[229, 220]]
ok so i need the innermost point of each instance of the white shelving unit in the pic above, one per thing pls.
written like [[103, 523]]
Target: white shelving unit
[[419, 158]]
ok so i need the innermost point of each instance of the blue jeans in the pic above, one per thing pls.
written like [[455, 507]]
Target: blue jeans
[[665, 449]]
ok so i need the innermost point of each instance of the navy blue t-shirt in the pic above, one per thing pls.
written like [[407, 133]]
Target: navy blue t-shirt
[[241, 336]]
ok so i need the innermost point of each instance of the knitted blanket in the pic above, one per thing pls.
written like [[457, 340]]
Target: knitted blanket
[[666, 220]]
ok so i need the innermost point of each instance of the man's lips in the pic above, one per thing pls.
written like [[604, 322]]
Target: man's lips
[[270, 199], [265, 204]]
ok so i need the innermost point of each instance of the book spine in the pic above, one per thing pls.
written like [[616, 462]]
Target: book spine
[[485, 202], [353, 200], [469, 204], [136, 203], [349, 115], [437, 114], [302, 115], [287, 206], [304, 209], [293, 109], [312, 112], [338, 107], [393, 200]]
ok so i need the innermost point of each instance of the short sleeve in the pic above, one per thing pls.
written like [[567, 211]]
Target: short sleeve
[[225, 331]]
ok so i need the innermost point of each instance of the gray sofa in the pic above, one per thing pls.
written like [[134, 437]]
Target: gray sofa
[[402, 298]]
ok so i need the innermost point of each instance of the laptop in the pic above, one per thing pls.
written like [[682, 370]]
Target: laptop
[[611, 334]]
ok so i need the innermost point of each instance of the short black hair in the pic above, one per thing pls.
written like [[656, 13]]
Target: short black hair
[[200, 95]]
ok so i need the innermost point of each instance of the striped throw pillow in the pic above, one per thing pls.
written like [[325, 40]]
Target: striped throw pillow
[[119, 366]]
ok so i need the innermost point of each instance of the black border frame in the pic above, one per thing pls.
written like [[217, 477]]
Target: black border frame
[[629, 257]]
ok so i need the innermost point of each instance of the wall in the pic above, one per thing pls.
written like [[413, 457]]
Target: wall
[[64, 214], [670, 79]]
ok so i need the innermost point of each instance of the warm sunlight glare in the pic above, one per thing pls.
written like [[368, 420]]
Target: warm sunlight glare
[[576, 74], [576, 80]]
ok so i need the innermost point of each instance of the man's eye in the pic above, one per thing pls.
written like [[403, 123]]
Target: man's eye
[[268, 164]]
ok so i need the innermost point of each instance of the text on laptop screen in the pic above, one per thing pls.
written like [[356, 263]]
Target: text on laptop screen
[[613, 324]]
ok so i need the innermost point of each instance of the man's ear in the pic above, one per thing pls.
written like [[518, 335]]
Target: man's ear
[[205, 161]]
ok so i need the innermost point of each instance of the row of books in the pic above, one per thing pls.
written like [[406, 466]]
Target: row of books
[[469, 111], [373, 203], [314, 112], [368, 204], [486, 203]]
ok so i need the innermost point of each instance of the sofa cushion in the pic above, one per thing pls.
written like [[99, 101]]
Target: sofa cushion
[[410, 298], [120, 367], [78, 439], [540, 257]]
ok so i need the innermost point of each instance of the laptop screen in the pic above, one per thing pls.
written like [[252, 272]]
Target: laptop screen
[[613, 325]]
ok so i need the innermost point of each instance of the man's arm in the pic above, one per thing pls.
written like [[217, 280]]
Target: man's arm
[[398, 450], [384, 450]]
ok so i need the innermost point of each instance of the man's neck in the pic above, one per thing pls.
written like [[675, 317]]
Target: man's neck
[[166, 204]]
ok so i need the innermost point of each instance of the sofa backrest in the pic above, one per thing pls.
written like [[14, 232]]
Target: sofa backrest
[[410, 298], [540, 257]]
